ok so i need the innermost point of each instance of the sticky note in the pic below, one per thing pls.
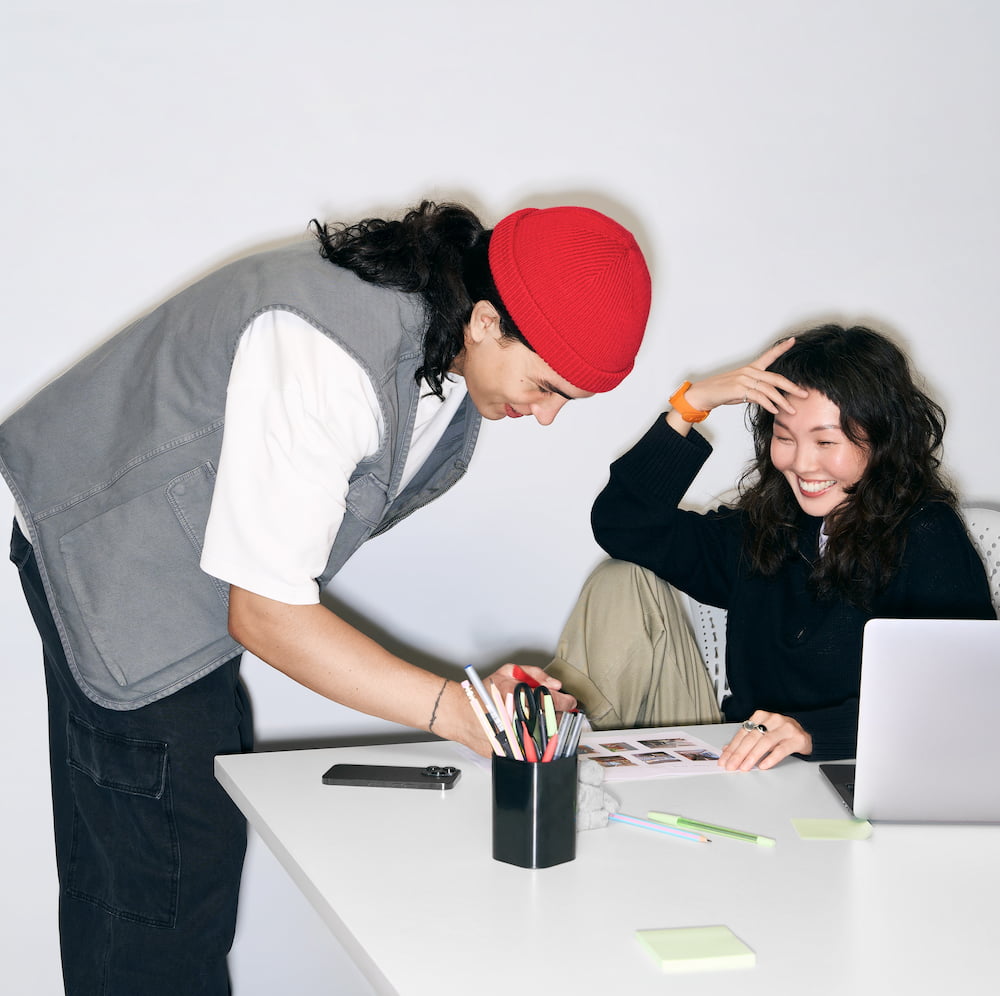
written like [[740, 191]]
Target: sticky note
[[696, 949], [833, 829]]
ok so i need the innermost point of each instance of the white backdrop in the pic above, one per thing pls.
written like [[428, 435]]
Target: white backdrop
[[781, 161]]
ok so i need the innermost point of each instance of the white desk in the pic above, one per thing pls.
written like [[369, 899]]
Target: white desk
[[407, 883]]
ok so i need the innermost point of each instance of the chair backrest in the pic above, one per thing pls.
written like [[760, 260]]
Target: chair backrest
[[709, 623], [984, 531], [709, 626]]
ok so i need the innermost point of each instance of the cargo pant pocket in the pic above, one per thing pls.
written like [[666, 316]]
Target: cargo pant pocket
[[125, 856], [20, 548]]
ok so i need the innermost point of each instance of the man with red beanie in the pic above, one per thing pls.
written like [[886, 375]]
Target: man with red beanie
[[185, 491], [578, 281]]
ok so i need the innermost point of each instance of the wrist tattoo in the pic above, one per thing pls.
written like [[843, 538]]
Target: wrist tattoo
[[437, 702]]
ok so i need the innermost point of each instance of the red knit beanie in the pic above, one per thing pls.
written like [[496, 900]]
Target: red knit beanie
[[576, 284]]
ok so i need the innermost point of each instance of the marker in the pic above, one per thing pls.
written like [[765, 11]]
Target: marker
[[550, 747], [477, 684], [550, 716], [541, 730], [521, 675], [685, 823], [659, 827], [530, 751]]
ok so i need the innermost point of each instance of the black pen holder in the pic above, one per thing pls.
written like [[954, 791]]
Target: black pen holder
[[534, 811]]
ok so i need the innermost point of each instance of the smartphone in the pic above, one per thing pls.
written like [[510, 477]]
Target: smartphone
[[432, 776]]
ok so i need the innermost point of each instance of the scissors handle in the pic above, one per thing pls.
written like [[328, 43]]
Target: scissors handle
[[528, 716]]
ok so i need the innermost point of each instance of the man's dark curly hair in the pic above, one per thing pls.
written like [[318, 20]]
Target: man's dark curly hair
[[436, 250]]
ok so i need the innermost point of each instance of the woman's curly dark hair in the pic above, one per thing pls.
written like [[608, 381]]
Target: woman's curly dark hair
[[436, 250], [882, 410]]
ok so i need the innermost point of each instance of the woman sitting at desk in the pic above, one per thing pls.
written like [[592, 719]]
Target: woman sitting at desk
[[843, 516]]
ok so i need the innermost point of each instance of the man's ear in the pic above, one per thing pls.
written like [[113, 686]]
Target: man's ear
[[484, 322]]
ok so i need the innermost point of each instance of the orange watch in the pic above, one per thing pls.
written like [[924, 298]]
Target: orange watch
[[680, 404]]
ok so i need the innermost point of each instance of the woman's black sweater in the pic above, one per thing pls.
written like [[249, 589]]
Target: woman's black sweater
[[787, 651]]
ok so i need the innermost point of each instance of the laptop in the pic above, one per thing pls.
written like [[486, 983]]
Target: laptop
[[928, 740]]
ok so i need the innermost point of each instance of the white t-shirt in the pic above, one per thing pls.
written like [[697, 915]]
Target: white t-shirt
[[301, 414]]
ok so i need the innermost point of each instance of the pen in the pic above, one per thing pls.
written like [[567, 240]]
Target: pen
[[564, 730], [685, 823], [505, 719], [490, 709], [481, 716], [659, 827], [569, 733]]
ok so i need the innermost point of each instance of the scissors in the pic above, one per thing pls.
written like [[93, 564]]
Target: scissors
[[535, 711]]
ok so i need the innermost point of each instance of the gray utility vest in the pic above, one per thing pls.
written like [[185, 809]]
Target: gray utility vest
[[113, 465]]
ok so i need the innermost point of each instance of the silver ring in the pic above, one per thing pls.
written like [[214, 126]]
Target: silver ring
[[749, 724]]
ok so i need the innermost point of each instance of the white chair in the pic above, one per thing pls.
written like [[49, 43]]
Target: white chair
[[984, 530], [709, 623]]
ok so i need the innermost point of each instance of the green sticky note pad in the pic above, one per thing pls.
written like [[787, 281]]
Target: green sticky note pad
[[696, 949], [833, 829]]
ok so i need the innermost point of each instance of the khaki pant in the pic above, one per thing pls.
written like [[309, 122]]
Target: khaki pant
[[628, 654]]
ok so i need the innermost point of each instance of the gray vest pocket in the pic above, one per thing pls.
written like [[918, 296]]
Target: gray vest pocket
[[141, 597]]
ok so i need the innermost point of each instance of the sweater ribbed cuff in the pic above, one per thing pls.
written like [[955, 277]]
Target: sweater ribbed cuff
[[656, 456]]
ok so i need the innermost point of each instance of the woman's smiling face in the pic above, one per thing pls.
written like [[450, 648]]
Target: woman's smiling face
[[818, 460]]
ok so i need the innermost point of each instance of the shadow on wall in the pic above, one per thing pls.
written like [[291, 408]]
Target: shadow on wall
[[430, 662]]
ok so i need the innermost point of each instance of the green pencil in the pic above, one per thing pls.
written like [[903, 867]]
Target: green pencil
[[697, 825]]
